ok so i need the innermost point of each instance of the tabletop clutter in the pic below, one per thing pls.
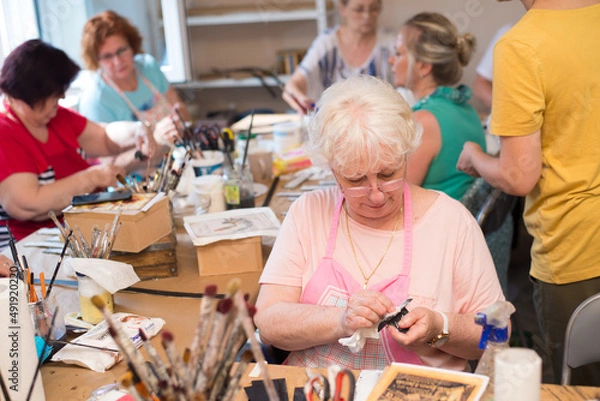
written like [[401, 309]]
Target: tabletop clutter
[[207, 187]]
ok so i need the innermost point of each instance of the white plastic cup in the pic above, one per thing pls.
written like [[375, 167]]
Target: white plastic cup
[[210, 163], [87, 289], [287, 136], [211, 185], [517, 375]]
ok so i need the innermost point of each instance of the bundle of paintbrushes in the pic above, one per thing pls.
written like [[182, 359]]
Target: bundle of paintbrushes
[[206, 370], [102, 240], [165, 178]]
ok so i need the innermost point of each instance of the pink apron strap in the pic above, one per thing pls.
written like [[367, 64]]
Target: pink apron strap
[[408, 231]]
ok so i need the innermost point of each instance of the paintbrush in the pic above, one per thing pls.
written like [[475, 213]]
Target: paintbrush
[[248, 138], [207, 307], [157, 362], [84, 345], [179, 369], [233, 342], [234, 383], [61, 228], [123, 181], [60, 258], [140, 387], [87, 250], [15, 254], [212, 351], [111, 241], [127, 383], [249, 329]]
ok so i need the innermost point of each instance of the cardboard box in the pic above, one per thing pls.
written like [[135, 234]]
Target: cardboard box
[[159, 260], [230, 257], [138, 229]]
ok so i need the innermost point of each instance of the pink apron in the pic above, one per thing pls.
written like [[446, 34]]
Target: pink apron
[[332, 285]]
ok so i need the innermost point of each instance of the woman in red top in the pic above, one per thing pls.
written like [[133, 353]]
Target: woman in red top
[[42, 144]]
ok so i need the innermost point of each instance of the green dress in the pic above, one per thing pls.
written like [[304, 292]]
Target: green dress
[[459, 123]]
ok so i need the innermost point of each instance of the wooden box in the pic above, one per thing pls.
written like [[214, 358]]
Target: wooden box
[[159, 260], [139, 229], [230, 257]]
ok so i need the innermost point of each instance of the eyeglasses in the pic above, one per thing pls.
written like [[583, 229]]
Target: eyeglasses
[[368, 10], [388, 186], [108, 57]]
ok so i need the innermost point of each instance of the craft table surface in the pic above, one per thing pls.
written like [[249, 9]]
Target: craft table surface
[[67, 382]]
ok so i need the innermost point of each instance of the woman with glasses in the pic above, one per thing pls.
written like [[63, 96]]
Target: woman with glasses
[[347, 256], [355, 47], [129, 85], [42, 144], [429, 59]]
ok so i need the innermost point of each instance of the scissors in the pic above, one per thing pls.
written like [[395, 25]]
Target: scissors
[[317, 383], [339, 381]]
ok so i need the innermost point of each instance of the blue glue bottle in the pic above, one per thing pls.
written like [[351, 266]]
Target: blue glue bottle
[[494, 338]]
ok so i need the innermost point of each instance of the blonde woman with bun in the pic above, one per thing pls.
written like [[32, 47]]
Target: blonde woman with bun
[[429, 60]]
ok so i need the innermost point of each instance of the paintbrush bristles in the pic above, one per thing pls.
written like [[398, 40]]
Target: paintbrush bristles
[[99, 302], [223, 327], [233, 286]]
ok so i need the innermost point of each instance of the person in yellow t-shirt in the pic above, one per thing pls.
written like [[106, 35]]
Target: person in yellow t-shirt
[[546, 108]]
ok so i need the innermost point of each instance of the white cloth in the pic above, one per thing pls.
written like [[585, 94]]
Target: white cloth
[[485, 66], [109, 274]]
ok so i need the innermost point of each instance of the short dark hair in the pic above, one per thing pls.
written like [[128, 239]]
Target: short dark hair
[[35, 71]]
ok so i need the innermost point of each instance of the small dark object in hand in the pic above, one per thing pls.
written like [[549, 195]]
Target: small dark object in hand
[[140, 156], [393, 320]]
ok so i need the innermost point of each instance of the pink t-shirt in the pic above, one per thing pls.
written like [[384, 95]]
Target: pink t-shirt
[[452, 270]]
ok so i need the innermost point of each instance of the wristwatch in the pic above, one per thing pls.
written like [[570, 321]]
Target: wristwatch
[[442, 338]]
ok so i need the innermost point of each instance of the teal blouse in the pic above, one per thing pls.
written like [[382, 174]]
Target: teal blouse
[[459, 123]]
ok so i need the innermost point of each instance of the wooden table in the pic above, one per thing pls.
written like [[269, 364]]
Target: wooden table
[[68, 382], [296, 377]]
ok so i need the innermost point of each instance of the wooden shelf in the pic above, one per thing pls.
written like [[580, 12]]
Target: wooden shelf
[[249, 82], [252, 17]]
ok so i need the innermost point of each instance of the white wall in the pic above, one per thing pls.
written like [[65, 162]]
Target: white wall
[[255, 45]]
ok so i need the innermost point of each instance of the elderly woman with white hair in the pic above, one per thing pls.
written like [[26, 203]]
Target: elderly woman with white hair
[[347, 256]]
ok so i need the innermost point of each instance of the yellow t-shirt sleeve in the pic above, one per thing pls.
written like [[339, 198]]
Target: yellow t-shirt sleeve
[[518, 95]]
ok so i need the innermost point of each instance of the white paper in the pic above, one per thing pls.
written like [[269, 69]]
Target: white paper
[[101, 361], [109, 274], [232, 224], [367, 379]]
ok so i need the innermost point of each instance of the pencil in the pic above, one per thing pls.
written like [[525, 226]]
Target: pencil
[[43, 284]]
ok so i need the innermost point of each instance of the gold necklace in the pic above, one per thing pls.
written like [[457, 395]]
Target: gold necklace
[[365, 277]]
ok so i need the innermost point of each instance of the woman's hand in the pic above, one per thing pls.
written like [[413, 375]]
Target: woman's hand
[[144, 141], [104, 175], [5, 264], [298, 101], [422, 323], [165, 131], [365, 309]]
